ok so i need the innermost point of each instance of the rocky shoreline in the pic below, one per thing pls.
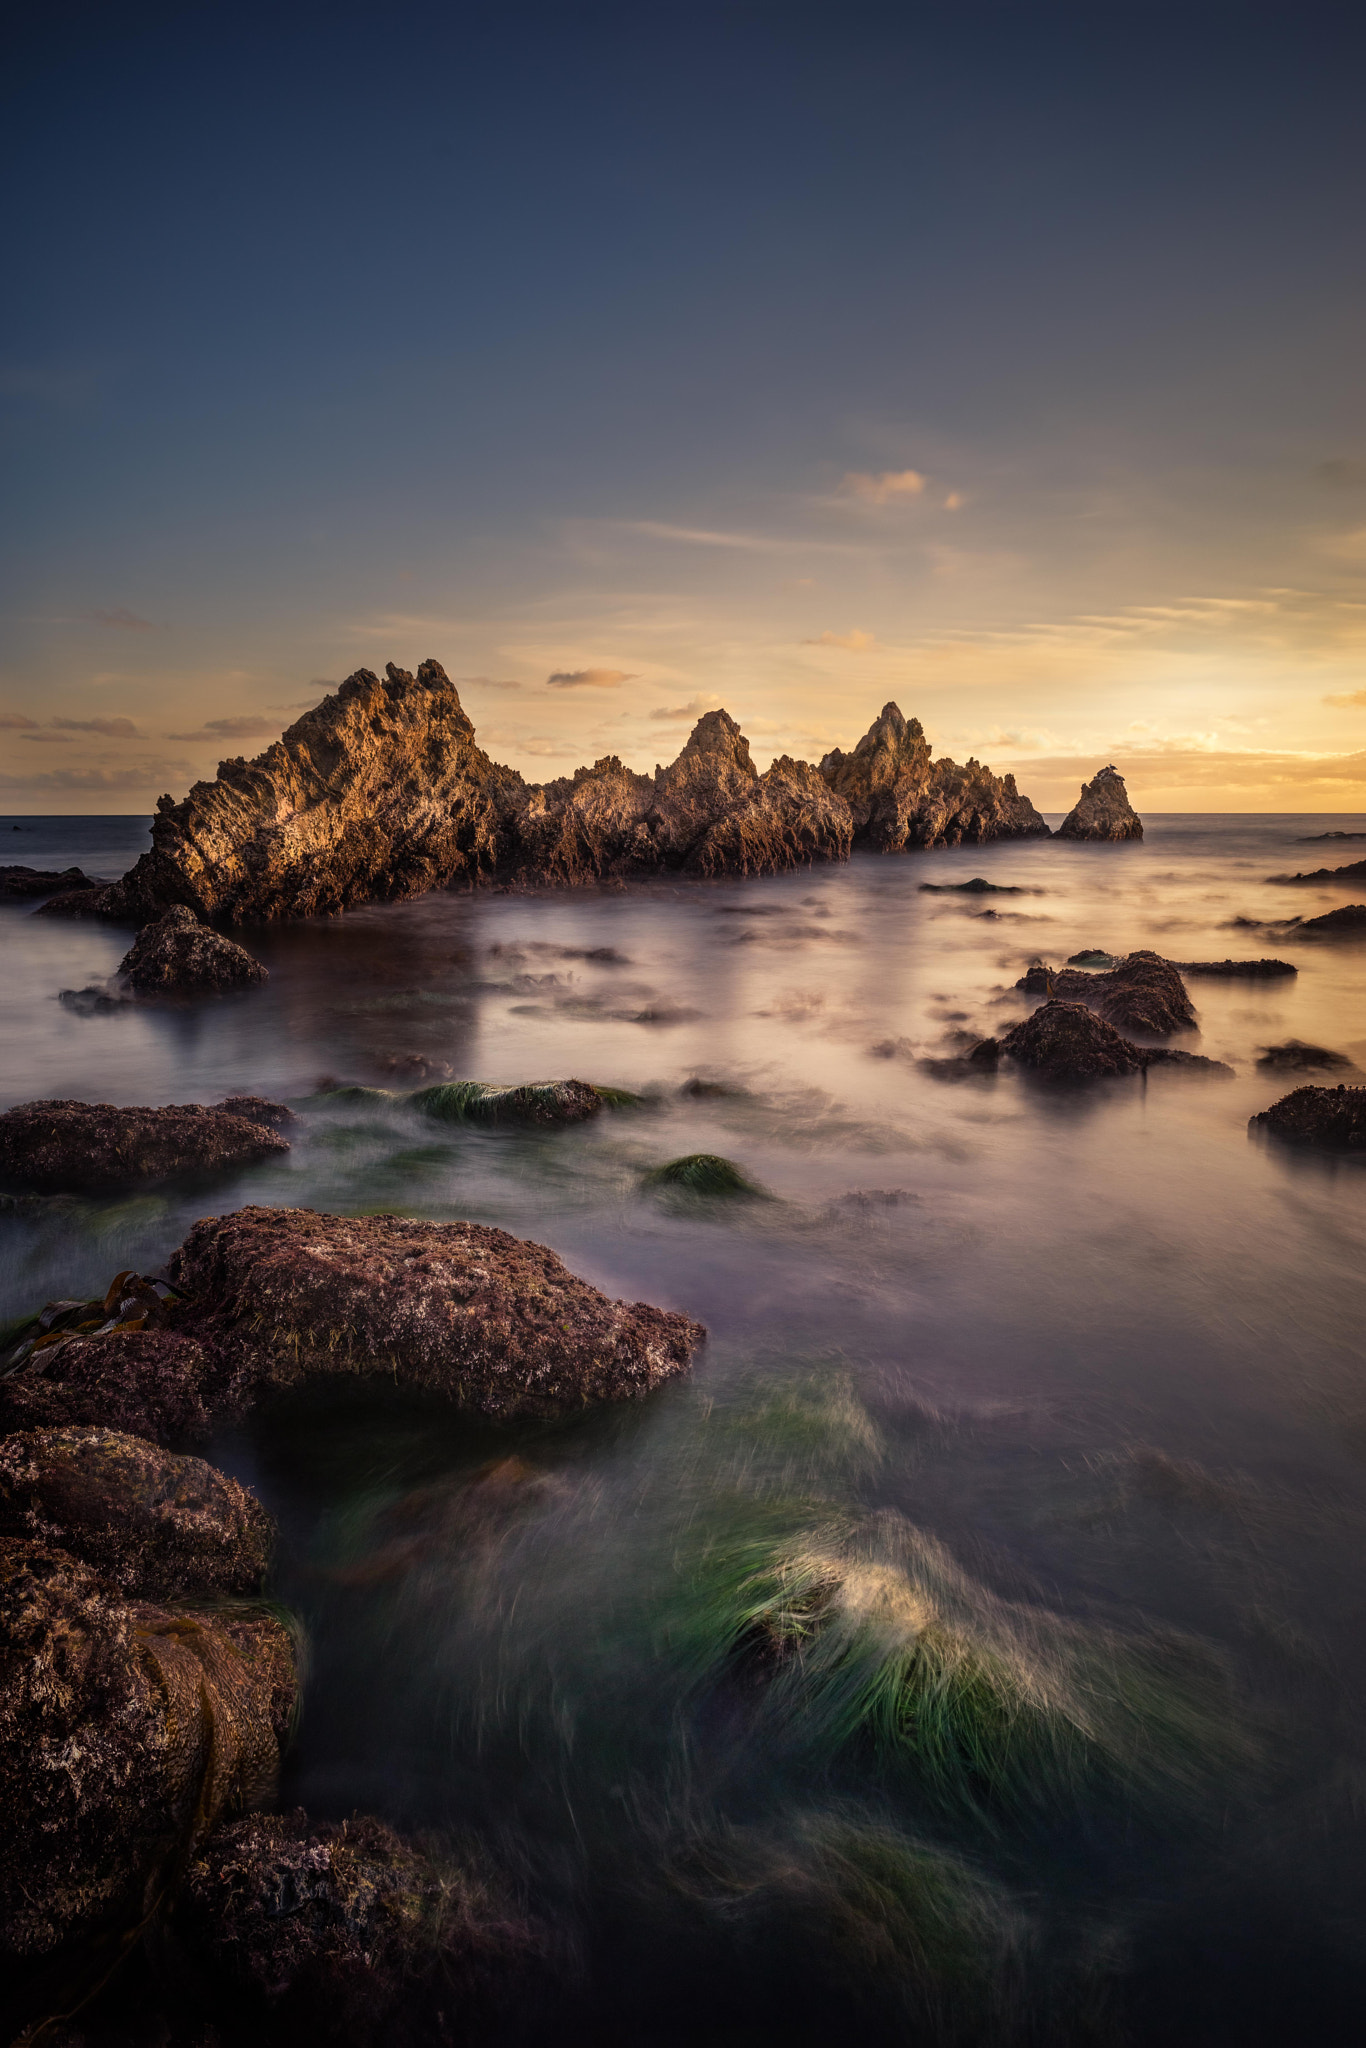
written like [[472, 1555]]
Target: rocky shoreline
[[381, 792]]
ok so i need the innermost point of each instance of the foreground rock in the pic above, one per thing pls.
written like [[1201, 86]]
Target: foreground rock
[[1140, 993], [18, 883], [900, 798], [1326, 1119], [1102, 811], [65, 1147], [350, 1934], [1068, 1042], [155, 1525], [126, 1730], [179, 955]]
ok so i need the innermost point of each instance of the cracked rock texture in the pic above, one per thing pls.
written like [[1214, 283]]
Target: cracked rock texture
[[1102, 811], [65, 1147], [900, 798]]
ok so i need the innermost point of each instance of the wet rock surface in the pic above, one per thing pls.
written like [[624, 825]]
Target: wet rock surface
[[1068, 1041], [177, 954], [1325, 1119], [899, 797], [1140, 993], [155, 1525], [350, 1932], [1355, 871], [155, 1383], [530, 1102], [1347, 923], [63, 1146], [17, 883], [1236, 970], [126, 1730], [1102, 811], [494, 1322], [1295, 1057]]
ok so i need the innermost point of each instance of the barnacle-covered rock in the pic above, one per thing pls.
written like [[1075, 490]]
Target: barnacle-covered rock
[[1068, 1042], [1142, 992], [177, 954], [60, 1147], [1325, 1119]]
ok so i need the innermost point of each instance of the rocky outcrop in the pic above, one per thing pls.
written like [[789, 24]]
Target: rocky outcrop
[[1140, 993], [1323, 1119], [1347, 923], [64, 1147], [1103, 811], [525, 1102], [126, 1730], [155, 1525], [179, 955], [1355, 871], [1294, 1056], [17, 884], [1236, 970], [900, 798], [1069, 1042], [266, 1298], [348, 1933]]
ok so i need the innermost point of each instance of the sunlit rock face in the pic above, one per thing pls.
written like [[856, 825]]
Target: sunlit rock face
[[1103, 811], [901, 798]]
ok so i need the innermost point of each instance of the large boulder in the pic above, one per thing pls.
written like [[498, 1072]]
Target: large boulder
[[1102, 811], [1142, 992], [900, 798], [177, 954], [1069, 1042], [66, 1147], [126, 1730], [1324, 1119], [348, 1933], [494, 1322], [155, 1525]]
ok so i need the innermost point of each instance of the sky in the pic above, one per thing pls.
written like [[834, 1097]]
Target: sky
[[632, 360]]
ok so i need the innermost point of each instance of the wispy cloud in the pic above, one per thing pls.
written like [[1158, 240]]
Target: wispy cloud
[[883, 487], [486, 683], [108, 728], [249, 727], [131, 777], [15, 721], [695, 707], [120, 618], [51, 739], [589, 678], [855, 641], [1353, 699]]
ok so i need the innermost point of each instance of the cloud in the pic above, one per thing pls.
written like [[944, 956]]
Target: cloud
[[108, 728], [854, 641], [135, 776], [15, 721], [120, 617], [52, 739], [589, 678], [883, 487], [954, 502], [302, 703], [488, 683], [694, 708], [250, 727], [1353, 698]]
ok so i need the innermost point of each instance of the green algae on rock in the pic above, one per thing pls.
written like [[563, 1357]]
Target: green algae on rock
[[527, 1102], [707, 1176]]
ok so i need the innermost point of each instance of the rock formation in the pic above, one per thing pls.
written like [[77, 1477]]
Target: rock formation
[[900, 798], [64, 1147], [1140, 993], [1349, 922], [1236, 970], [1069, 1042], [1294, 1056], [18, 883], [1103, 811], [1324, 1119], [179, 955], [1355, 871], [155, 1525]]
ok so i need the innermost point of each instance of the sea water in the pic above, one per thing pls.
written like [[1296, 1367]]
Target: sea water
[[1098, 1352]]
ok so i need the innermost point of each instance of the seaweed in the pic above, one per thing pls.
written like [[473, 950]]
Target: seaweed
[[706, 1176]]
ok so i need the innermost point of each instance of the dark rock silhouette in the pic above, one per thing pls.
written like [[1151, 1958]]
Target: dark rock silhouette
[[1355, 871], [94, 1147], [16, 882], [1295, 1057], [179, 955], [1347, 923], [1069, 1042], [899, 798], [156, 1525], [1236, 970], [1103, 810], [1140, 993], [1324, 1119]]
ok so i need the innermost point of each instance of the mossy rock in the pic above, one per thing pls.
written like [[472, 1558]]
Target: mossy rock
[[356, 1093], [529, 1102], [706, 1176]]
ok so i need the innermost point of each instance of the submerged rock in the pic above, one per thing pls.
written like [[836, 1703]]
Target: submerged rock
[[19, 882], [494, 1322], [1295, 1057], [529, 1102], [1347, 923], [1327, 1119], [179, 955], [349, 1933], [900, 798], [156, 1525], [96, 1148], [705, 1174], [1236, 970], [1068, 1041], [126, 1730], [1140, 993], [1102, 811], [978, 886], [259, 1109], [1355, 871]]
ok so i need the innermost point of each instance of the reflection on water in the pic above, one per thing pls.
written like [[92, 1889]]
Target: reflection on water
[[973, 1643]]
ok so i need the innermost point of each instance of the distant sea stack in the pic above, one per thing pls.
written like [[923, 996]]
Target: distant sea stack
[[1103, 811], [381, 793]]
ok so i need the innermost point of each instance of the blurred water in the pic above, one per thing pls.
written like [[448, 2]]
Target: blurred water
[[1103, 1346]]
